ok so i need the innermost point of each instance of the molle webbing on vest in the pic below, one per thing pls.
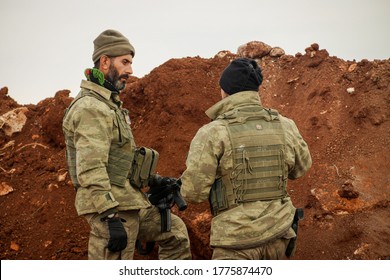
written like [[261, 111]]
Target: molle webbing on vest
[[120, 157], [258, 142], [119, 165]]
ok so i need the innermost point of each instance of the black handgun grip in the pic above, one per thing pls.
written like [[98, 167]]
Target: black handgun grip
[[166, 223]]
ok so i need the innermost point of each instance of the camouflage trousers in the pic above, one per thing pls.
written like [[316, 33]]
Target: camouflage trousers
[[141, 224], [274, 250]]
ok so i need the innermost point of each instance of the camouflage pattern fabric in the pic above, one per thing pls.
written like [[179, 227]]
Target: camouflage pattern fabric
[[274, 250], [144, 225], [99, 236], [95, 128], [210, 157], [92, 132], [172, 245]]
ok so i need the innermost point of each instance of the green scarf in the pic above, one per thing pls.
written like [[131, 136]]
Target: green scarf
[[96, 76]]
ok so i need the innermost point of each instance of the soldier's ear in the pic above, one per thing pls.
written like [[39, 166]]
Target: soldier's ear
[[223, 94], [105, 62]]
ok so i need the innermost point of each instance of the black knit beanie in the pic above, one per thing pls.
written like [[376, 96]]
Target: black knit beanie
[[241, 74]]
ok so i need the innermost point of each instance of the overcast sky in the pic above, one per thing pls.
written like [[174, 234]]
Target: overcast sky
[[46, 44]]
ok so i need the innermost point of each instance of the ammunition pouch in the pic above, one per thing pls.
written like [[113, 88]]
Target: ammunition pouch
[[218, 198], [144, 165], [290, 251]]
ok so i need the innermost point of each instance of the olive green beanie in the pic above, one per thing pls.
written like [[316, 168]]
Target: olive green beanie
[[111, 43]]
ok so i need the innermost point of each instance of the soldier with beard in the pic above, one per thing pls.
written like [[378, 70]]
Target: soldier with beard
[[100, 149]]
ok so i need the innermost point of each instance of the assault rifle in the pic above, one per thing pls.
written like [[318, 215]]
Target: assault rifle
[[164, 193]]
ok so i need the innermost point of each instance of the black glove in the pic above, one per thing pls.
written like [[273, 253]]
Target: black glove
[[157, 195], [165, 202], [166, 191], [118, 235], [157, 181]]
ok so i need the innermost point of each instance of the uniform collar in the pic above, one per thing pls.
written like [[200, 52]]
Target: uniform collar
[[105, 93], [233, 101]]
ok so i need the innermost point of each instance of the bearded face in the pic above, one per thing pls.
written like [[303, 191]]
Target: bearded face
[[118, 81]]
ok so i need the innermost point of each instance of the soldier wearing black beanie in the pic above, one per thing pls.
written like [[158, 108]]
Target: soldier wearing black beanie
[[242, 74], [240, 162]]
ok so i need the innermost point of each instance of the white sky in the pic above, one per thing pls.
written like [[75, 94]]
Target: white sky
[[46, 44]]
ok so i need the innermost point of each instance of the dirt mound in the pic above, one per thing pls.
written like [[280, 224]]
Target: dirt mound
[[341, 108]]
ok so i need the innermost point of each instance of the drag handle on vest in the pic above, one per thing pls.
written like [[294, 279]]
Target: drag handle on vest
[[292, 244]]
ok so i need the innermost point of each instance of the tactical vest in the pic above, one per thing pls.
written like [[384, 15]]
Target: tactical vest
[[259, 169], [121, 153]]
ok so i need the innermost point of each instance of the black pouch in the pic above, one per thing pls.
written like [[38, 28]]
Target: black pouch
[[217, 198], [290, 251]]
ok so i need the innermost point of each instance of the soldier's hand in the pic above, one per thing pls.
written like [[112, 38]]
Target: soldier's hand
[[118, 235], [157, 181]]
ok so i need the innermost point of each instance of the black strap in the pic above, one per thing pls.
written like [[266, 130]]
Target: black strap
[[292, 244]]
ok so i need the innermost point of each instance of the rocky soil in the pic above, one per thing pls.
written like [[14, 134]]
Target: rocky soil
[[341, 108]]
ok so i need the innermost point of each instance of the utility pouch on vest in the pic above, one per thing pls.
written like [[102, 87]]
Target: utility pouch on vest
[[218, 198], [293, 241], [144, 165]]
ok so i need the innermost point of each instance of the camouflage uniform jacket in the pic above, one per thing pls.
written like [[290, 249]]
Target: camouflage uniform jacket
[[92, 132], [252, 223]]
